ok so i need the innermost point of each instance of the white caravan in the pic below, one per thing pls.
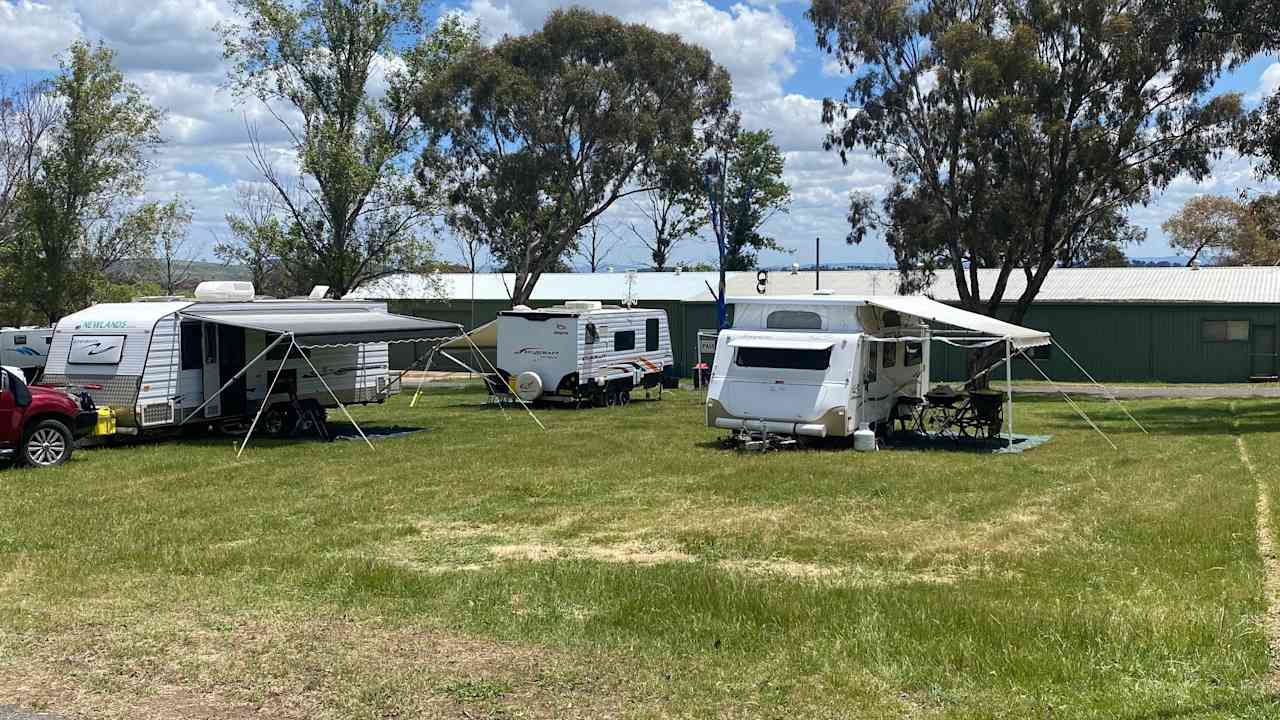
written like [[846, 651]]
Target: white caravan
[[26, 348], [583, 352], [156, 362], [828, 365]]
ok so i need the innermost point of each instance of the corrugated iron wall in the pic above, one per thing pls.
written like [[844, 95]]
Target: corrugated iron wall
[[1115, 342], [1142, 343]]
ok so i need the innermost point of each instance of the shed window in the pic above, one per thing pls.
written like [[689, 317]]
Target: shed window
[[1224, 331], [913, 354], [890, 355], [793, 320], [783, 358], [625, 340], [651, 335], [191, 350]]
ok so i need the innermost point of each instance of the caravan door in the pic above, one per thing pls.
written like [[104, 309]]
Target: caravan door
[[223, 358], [880, 363], [211, 370]]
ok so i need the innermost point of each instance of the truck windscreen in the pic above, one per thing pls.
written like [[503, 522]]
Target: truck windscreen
[[783, 358]]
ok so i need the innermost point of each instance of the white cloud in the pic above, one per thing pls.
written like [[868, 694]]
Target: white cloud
[[172, 35], [495, 22], [1268, 84], [833, 68], [32, 34]]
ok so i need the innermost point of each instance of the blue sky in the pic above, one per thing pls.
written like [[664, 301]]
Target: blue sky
[[169, 49]]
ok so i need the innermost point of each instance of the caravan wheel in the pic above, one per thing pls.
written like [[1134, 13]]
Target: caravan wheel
[[624, 397], [279, 420]]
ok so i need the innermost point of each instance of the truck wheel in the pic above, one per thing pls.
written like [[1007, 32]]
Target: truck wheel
[[47, 444]]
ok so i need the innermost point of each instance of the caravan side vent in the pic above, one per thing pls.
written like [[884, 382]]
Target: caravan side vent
[[157, 414]]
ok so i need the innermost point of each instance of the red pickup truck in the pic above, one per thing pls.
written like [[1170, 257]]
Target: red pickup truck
[[39, 425]]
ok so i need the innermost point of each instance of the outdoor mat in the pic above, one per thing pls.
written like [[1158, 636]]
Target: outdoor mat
[[348, 432], [919, 441]]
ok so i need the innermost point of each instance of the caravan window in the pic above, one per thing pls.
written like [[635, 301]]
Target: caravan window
[[793, 320], [913, 354], [651, 335], [592, 334], [890, 355], [625, 340], [19, 339], [192, 353], [210, 343], [95, 349], [783, 358]]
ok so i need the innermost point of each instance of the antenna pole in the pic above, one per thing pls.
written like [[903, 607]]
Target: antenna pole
[[817, 264]]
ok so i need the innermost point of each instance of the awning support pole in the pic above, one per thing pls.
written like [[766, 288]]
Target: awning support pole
[[1107, 391], [422, 379], [235, 377], [1067, 397], [333, 395], [1008, 385], [265, 399]]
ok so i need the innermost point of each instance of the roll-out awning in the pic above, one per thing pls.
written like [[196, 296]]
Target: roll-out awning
[[932, 310], [335, 328], [483, 336], [780, 344]]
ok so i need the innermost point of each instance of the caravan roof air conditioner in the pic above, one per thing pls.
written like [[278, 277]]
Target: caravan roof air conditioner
[[225, 291]]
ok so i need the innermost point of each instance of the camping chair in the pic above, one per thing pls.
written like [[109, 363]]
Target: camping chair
[[906, 412]]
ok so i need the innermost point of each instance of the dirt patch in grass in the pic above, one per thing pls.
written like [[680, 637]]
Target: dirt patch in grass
[[475, 549], [625, 553], [293, 668], [1271, 567]]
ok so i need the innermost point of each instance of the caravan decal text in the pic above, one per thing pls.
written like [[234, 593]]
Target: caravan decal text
[[538, 352], [103, 325]]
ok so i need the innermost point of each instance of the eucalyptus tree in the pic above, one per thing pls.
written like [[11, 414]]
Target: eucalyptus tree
[[1015, 130], [80, 205], [339, 78], [534, 138]]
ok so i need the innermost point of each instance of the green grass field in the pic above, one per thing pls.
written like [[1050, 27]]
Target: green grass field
[[621, 564]]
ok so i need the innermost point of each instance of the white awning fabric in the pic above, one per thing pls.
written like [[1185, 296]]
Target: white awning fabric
[[934, 311], [337, 328], [779, 344], [484, 336]]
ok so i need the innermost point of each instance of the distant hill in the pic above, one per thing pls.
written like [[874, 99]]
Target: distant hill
[[199, 271]]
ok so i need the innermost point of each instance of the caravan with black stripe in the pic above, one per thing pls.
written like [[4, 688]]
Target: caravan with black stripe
[[583, 353]]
